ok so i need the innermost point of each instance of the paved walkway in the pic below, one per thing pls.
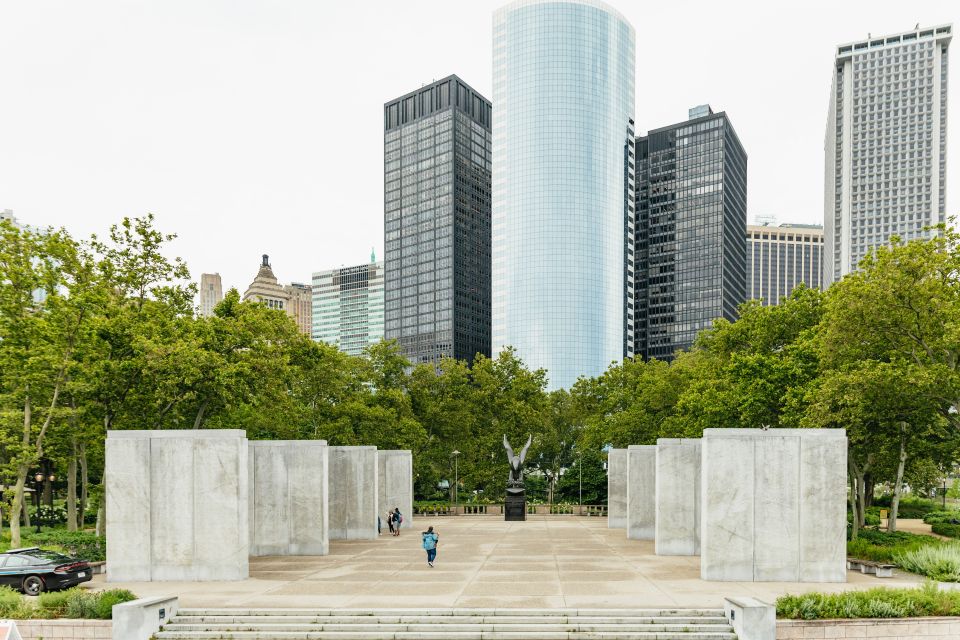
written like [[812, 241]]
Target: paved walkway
[[485, 562]]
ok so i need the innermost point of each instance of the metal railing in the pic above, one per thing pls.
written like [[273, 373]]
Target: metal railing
[[596, 510]]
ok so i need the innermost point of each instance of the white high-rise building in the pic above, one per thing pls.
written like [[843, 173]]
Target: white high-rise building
[[348, 306], [886, 144], [563, 186]]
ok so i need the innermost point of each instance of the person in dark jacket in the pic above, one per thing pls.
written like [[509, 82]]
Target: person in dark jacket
[[397, 520]]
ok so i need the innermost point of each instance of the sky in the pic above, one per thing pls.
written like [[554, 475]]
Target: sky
[[253, 126]]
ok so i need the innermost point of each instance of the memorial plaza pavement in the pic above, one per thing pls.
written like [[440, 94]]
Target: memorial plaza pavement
[[545, 562]]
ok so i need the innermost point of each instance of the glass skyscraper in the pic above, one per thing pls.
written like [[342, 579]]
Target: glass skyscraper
[[563, 84], [348, 306], [691, 231], [437, 148], [886, 144]]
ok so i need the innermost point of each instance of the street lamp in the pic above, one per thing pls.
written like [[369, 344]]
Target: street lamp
[[456, 478], [580, 468], [44, 474]]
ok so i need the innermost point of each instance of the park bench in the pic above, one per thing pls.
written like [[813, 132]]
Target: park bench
[[879, 569]]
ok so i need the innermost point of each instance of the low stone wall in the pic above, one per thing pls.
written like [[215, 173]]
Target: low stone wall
[[65, 629], [889, 629]]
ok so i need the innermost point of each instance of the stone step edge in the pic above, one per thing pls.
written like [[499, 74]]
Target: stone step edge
[[488, 635], [443, 622], [506, 611], [570, 627]]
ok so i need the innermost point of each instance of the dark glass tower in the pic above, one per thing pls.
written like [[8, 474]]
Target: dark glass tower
[[437, 148], [691, 247]]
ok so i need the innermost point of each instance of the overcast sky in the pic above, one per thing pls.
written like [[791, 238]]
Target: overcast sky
[[251, 127]]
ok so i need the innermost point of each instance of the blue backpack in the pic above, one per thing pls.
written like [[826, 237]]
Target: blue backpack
[[429, 541]]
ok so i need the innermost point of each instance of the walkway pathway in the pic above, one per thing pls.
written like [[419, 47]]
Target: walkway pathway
[[485, 562]]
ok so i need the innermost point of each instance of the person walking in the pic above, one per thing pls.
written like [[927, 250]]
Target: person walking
[[430, 540], [397, 521], [390, 520]]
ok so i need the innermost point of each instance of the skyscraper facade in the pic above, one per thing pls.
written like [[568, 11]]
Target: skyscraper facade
[[211, 293], [780, 258], [437, 150], [885, 144], [563, 181], [348, 307], [294, 299], [691, 231]]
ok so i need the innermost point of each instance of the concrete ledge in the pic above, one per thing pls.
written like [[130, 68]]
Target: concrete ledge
[[65, 629], [140, 619], [751, 619], [882, 629]]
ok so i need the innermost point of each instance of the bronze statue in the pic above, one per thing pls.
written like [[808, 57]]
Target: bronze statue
[[516, 462]]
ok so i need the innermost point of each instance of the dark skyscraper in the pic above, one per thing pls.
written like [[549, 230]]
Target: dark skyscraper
[[437, 148], [690, 232]]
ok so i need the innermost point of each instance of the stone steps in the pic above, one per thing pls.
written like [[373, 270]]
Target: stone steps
[[448, 624]]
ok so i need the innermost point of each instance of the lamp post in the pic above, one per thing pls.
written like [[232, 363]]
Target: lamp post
[[944, 493], [44, 474], [456, 478], [580, 469]]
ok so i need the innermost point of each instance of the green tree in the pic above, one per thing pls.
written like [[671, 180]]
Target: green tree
[[51, 296]]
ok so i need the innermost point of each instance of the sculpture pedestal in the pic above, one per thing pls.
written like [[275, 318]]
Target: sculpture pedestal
[[515, 507]]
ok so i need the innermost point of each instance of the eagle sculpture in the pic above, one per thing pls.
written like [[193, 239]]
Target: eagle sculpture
[[516, 462]]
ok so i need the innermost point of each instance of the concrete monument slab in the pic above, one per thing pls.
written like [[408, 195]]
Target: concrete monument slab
[[641, 491], [353, 507], [773, 505], [288, 498], [617, 488], [177, 505], [395, 483], [678, 497]]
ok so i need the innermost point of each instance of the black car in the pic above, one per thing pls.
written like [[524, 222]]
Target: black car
[[34, 570]]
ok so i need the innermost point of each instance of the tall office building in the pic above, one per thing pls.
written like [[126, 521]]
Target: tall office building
[[294, 299], [563, 181], [437, 221], [211, 293], [780, 258], [348, 306], [691, 231], [885, 145]]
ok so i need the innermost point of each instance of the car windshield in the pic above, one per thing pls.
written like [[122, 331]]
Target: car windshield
[[51, 556]]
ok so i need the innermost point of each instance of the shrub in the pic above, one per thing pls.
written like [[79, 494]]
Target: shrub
[[940, 562], [881, 546], [53, 604], [947, 529], [81, 604], [880, 602], [106, 600], [11, 602], [48, 515], [83, 545], [909, 506], [951, 516]]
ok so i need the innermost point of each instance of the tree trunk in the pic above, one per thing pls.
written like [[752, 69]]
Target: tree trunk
[[102, 513], [47, 497], [72, 488], [84, 487], [22, 469], [854, 515], [199, 419], [869, 484], [898, 486]]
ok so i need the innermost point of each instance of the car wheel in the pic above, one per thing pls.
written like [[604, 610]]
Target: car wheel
[[32, 585]]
